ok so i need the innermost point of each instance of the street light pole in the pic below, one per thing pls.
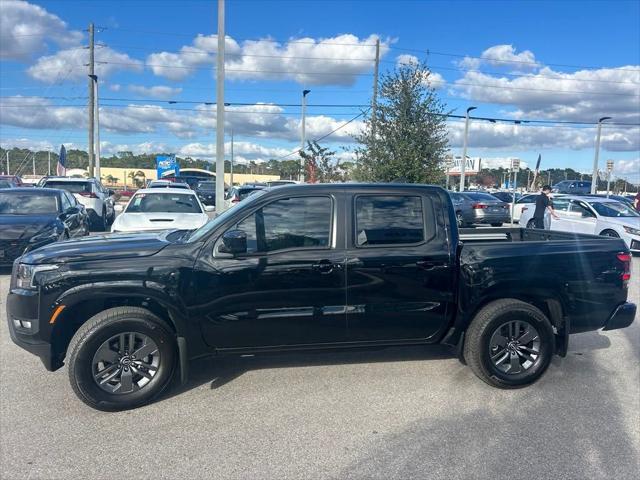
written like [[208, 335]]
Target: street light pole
[[302, 131], [464, 148], [220, 110], [594, 177]]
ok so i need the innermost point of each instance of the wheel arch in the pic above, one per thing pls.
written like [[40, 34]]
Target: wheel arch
[[80, 307]]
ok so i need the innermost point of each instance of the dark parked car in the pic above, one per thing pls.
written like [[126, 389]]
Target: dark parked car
[[207, 192], [575, 187], [31, 218], [473, 208], [308, 267]]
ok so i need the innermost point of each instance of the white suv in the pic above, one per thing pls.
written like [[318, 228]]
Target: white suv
[[97, 200]]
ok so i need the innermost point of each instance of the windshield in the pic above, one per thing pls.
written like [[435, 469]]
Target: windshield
[[614, 209], [163, 203], [27, 204], [220, 219], [73, 187]]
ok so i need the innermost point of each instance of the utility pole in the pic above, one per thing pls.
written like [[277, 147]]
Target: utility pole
[[302, 131], [220, 111], [8, 162], [515, 167], [33, 163], [49, 163], [91, 99], [594, 177], [464, 148], [231, 178], [97, 123], [374, 102]]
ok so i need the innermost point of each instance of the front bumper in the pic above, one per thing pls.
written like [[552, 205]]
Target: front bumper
[[23, 306], [621, 317]]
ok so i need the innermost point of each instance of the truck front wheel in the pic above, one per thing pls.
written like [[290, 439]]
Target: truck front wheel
[[121, 358], [509, 344]]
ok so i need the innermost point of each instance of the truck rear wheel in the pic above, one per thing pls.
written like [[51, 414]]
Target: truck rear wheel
[[121, 358], [509, 344]]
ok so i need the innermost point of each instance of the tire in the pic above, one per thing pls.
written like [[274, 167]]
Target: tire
[[100, 337], [493, 322], [531, 224], [496, 224], [610, 233]]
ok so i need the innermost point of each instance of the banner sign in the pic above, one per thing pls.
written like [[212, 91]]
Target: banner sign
[[472, 166], [167, 163]]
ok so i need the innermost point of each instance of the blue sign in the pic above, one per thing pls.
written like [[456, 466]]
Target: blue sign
[[167, 163]]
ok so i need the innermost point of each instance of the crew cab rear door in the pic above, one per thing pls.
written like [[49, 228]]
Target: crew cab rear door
[[399, 267]]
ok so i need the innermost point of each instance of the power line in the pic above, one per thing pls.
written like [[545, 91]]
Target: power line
[[489, 59]]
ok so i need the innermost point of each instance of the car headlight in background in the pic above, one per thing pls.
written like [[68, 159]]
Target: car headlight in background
[[25, 274], [631, 230]]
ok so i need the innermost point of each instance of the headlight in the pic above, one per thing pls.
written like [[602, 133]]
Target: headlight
[[632, 231], [25, 274]]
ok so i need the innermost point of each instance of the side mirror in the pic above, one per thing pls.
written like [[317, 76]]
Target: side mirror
[[209, 208], [234, 242]]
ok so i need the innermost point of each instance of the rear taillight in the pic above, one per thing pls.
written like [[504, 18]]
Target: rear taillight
[[478, 206], [625, 258], [88, 194]]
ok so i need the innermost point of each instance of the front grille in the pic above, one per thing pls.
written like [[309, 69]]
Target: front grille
[[11, 249]]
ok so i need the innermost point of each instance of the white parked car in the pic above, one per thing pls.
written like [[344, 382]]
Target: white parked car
[[594, 215], [162, 209], [97, 200]]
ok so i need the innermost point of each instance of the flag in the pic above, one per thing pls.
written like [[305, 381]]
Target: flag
[[538, 162], [61, 168], [535, 173]]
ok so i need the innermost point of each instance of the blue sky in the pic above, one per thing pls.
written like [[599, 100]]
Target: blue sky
[[555, 61]]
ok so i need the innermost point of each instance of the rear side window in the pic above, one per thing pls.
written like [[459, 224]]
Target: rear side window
[[561, 204], [297, 222], [388, 220], [73, 187]]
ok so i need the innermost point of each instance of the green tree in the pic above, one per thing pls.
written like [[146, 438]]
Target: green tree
[[407, 138]]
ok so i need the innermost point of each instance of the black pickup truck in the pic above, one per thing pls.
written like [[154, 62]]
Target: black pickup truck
[[312, 267]]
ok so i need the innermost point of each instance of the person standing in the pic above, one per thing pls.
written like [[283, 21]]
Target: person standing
[[636, 202], [543, 203]]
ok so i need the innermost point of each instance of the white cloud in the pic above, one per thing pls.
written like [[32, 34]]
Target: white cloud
[[25, 29], [627, 167], [405, 59], [157, 91], [582, 95], [114, 87], [71, 64], [243, 151], [337, 60], [504, 56], [34, 112], [483, 135], [108, 148]]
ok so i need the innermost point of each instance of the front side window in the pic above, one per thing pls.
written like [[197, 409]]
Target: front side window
[[297, 222], [388, 220], [581, 209]]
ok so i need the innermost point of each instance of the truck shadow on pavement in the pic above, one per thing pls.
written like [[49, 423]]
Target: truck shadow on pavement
[[570, 424], [221, 370]]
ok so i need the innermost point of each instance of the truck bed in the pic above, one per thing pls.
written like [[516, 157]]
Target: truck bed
[[518, 234]]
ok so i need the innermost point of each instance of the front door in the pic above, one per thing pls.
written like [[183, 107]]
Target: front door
[[288, 289], [399, 271], [583, 219]]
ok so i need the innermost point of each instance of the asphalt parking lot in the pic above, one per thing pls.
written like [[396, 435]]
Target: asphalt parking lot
[[395, 413]]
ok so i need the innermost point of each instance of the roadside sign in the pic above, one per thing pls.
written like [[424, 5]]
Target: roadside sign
[[471, 167], [167, 163], [609, 165]]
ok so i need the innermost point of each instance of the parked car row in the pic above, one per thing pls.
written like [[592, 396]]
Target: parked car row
[[595, 215]]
